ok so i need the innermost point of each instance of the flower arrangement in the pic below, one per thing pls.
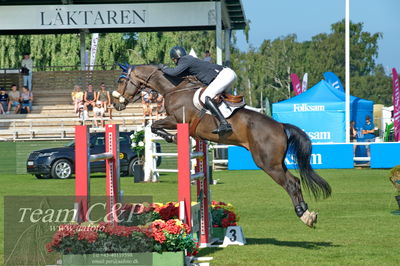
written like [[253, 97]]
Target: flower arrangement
[[166, 211], [159, 236], [223, 214], [137, 145], [172, 235], [143, 228], [100, 238]]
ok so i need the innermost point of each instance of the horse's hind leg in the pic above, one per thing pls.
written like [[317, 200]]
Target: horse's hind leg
[[300, 207], [273, 166]]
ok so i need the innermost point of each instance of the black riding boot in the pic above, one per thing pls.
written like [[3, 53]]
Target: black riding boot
[[224, 126]]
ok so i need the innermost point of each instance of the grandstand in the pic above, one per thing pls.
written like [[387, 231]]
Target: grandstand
[[53, 116]]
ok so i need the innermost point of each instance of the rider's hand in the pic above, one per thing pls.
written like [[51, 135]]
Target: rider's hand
[[161, 66]]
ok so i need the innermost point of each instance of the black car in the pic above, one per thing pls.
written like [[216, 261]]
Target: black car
[[59, 162]]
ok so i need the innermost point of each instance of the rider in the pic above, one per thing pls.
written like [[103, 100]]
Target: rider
[[217, 78]]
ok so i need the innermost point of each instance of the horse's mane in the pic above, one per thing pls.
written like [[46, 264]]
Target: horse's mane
[[179, 82]]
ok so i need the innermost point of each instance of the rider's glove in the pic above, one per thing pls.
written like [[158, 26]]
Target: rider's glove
[[161, 66]]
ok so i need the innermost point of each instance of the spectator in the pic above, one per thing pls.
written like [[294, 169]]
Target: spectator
[[98, 111], [26, 70], [353, 134], [14, 97], [89, 98], [3, 101], [146, 101], [369, 132], [159, 99], [77, 98], [207, 56], [26, 99], [103, 96]]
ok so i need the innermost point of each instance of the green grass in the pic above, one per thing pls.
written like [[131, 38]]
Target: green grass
[[355, 226]]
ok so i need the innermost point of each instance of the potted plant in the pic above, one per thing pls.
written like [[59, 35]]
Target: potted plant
[[223, 215], [137, 145], [395, 179]]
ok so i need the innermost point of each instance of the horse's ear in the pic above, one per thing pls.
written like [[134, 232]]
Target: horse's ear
[[123, 67]]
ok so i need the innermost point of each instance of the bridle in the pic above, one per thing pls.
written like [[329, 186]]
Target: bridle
[[137, 82]]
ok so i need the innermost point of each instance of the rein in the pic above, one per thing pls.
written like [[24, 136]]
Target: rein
[[180, 90]]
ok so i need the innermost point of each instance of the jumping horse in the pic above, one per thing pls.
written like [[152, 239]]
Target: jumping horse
[[268, 140]]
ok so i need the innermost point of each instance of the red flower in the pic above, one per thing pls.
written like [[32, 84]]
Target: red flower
[[231, 216], [90, 236], [172, 227], [225, 222], [168, 211], [159, 237], [49, 247]]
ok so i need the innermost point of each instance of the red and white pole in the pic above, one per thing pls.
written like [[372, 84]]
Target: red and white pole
[[184, 181], [112, 170], [82, 170], [184, 195]]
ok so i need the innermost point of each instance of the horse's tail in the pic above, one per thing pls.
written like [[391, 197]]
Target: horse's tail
[[299, 145]]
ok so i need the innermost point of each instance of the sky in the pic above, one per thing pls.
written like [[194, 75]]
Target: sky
[[271, 19]]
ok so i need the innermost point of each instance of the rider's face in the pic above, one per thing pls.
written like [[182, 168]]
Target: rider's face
[[175, 60]]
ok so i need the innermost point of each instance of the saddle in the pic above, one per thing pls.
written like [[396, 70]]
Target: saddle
[[232, 100]]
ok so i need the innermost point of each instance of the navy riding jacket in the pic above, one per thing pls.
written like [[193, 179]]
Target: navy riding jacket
[[191, 66]]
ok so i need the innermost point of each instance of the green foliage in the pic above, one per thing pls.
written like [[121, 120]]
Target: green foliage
[[395, 177], [264, 71], [267, 70], [137, 139]]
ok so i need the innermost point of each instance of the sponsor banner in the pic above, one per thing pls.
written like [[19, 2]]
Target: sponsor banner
[[332, 79], [93, 50], [321, 127], [396, 105], [384, 155], [295, 83], [304, 84], [335, 156], [143, 15], [306, 107]]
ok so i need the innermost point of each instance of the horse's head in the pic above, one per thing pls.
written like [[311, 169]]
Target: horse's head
[[130, 83], [127, 88]]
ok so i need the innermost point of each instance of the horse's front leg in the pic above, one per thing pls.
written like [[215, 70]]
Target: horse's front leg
[[159, 126]]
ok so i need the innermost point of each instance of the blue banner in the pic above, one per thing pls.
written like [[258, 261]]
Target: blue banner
[[332, 79], [320, 127], [384, 155], [331, 156]]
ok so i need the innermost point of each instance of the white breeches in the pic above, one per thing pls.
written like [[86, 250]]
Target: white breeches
[[221, 83]]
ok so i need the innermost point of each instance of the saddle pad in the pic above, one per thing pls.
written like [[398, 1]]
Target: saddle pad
[[225, 109]]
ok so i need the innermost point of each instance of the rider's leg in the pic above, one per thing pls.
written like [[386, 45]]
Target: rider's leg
[[222, 82], [224, 126]]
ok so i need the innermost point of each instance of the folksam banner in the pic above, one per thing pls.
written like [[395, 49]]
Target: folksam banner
[[304, 84], [396, 104], [332, 79], [295, 83], [324, 156]]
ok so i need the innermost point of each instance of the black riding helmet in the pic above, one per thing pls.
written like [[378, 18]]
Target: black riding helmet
[[177, 52]]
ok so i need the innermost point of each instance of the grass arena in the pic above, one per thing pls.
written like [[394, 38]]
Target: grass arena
[[356, 225]]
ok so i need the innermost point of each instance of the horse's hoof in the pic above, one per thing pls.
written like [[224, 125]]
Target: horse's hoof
[[309, 218]]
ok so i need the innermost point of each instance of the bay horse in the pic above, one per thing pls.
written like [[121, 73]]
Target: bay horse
[[268, 140]]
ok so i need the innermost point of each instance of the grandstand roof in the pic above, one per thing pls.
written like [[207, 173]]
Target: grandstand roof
[[233, 16]]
